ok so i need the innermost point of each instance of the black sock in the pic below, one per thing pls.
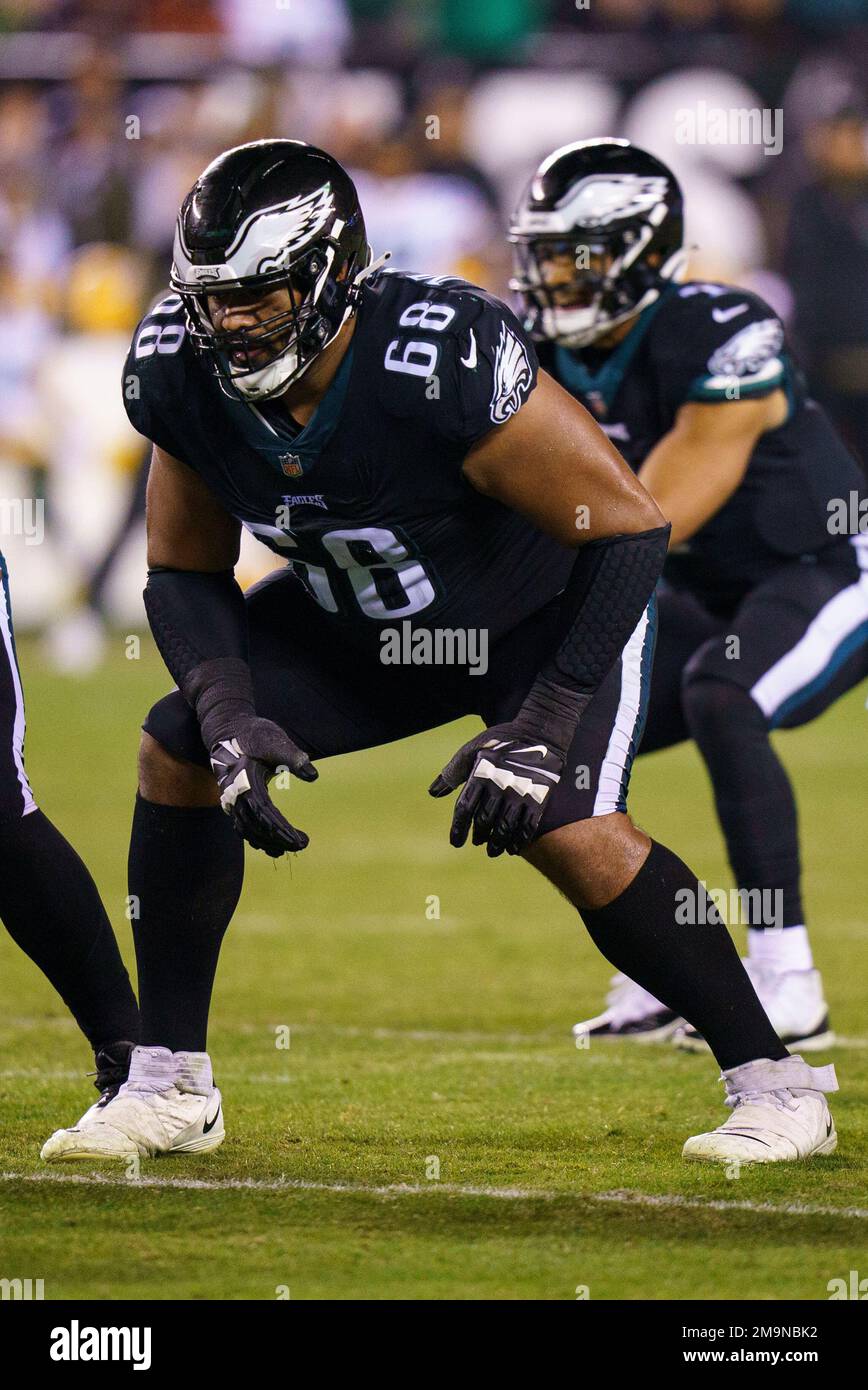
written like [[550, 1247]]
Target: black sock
[[51, 908], [186, 868], [694, 968], [752, 791]]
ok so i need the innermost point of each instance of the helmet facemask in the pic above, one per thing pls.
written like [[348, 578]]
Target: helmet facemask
[[598, 235], [612, 281], [318, 303]]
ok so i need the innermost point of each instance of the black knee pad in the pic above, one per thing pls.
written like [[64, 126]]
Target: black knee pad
[[711, 694], [709, 703], [174, 725]]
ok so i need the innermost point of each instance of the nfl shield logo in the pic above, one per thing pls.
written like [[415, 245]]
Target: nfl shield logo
[[291, 465]]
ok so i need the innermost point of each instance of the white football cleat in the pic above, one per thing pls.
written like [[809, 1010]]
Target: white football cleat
[[794, 1002], [631, 1012], [169, 1105], [779, 1113]]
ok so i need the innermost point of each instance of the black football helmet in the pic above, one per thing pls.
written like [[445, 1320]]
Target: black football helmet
[[269, 214], [597, 234]]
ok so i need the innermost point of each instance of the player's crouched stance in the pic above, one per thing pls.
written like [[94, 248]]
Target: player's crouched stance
[[388, 436]]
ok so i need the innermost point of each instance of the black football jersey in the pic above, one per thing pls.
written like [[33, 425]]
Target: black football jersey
[[710, 342], [367, 502]]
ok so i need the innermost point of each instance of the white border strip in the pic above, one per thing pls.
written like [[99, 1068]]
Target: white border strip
[[624, 727], [18, 727], [815, 649]]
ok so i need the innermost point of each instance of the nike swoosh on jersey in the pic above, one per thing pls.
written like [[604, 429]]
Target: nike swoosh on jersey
[[471, 359], [724, 315]]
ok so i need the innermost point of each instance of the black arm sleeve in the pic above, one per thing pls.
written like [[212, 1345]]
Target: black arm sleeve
[[611, 585], [606, 595], [195, 617], [199, 622]]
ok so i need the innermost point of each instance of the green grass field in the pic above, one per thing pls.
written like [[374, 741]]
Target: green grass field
[[420, 1044]]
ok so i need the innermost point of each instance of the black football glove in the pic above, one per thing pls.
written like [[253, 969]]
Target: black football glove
[[244, 764], [508, 779]]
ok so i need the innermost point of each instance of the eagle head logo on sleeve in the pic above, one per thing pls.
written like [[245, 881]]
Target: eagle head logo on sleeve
[[512, 376], [749, 350]]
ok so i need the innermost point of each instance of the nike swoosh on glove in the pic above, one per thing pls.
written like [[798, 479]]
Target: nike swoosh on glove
[[507, 782], [244, 764]]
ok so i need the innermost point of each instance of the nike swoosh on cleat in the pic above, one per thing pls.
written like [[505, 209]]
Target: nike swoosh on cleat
[[209, 1124], [471, 358]]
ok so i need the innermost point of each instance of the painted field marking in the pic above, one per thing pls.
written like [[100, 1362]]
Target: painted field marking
[[621, 1197]]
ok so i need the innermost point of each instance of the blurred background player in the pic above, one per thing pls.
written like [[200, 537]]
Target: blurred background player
[[90, 451], [764, 604], [48, 901]]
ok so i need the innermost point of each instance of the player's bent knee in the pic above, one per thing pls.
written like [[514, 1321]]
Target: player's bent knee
[[171, 781], [591, 861], [711, 702]]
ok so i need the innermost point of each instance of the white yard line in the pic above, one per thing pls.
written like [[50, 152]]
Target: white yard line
[[503, 1194], [648, 1199]]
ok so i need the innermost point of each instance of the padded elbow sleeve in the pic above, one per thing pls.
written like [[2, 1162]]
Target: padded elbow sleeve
[[195, 618], [606, 595]]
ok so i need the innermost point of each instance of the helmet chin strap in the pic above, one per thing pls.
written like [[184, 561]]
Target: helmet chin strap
[[371, 268], [674, 268], [277, 376]]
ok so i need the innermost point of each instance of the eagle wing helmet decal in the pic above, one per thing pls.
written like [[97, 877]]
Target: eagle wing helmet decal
[[272, 235], [600, 199]]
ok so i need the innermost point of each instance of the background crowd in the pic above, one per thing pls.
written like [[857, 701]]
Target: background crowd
[[440, 109]]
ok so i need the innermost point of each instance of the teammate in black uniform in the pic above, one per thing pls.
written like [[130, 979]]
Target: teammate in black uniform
[[763, 612], [389, 435], [49, 903]]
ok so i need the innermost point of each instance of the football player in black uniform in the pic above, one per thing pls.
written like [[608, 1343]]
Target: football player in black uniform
[[49, 903], [763, 611], [389, 435]]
